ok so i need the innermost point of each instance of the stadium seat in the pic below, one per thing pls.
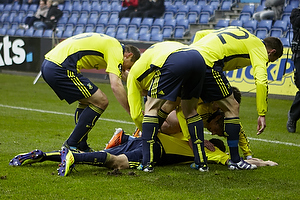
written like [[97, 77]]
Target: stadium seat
[[38, 33], [121, 36], [132, 36], [275, 32], [110, 30], [93, 19], [24, 7], [144, 37], [77, 6], [190, 3], [155, 30], [86, 6], [280, 24], [47, 33], [143, 29], [113, 21], [267, 24], [136, 21], [29, 32], [192, 17], [288, 9], [19, 18], [131, 29], [179, 32], [204, 18], [226, 5], [19, 32], [248, 9], [15, 6], [8, 7], [156, 37], [147, 22], [3, 31], [208, 9], [222, 23], [168, 15], [79, 28], [103, 19], [236, 22], [82, 20], [170, 23], [159, 22], [180, 16], [33, 7], [99, 28], [244, 17], [294, 3], [182, 23], [261, 33], [250, 25], [201, 2], [124, 21], [90, 28], [214, 3], [171, 8], [121, 29], [105, 7], [259, 8], [285, 41], [196, 8], [96, 6], [116, 7], [183, 9], [167, 32]]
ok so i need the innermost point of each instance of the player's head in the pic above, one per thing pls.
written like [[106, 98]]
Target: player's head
[[216, 120], [218, 143], [131, 54], [274, 48]]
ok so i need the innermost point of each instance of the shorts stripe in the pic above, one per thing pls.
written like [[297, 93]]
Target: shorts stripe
[[220, 82], [79, 84], [155, 84]]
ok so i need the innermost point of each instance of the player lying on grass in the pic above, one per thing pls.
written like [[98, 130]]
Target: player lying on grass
[[128, 154]]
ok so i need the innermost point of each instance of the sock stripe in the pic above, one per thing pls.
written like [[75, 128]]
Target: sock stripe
[[232, 121], [193, 119], [96, 109], [162, 114], [150, 119]]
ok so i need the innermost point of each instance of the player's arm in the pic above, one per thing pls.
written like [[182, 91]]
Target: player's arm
[[135, 101], [119, 91]]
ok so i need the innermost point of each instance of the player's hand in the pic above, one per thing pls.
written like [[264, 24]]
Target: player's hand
[[209, 145], [261, 124]]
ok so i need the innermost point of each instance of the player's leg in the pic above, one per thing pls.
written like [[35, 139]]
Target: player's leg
[[97, 103], [150, 130]]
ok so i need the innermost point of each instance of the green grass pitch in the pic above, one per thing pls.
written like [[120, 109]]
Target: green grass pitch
[[32, 116]]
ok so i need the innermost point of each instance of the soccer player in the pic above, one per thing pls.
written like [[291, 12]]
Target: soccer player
[[172, 149], [228, 49], [167, 70], [61, 70]]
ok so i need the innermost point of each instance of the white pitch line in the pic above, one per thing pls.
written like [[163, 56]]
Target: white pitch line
[[125, 122]]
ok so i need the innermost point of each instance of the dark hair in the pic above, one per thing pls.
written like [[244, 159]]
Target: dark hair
[[218, 143], [274, 43], [134, 50], [237, 94]]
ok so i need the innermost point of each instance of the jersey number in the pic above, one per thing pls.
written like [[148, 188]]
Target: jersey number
[[238, 37]]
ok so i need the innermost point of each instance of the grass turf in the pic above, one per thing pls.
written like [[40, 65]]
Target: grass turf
[[27, 123]]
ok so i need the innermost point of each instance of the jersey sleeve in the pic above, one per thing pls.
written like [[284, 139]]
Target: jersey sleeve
[[216, 156], [259, 59], [114, 59], [201, 34]]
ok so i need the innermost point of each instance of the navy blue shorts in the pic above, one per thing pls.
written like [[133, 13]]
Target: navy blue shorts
[[67, 83], [182, 75], [216, 86], [133, 151]]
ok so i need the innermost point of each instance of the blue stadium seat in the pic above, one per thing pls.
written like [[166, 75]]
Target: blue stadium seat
[[132, 36], [190, 3], [121, 29], [3, 31], [276, 32], [179, 32], [110, 30], [201, 2], [24, 7], [222, 23], [180, 16], [38, 33], [156, 37], [19, 32], [100, 28], [8, 7], [113, 21], [20, 18], [11, 17], [236, 22], [183, 9], [143, 30], [121, 36], [285, 41], [204, 18], [15, 6], [159, 22], [170, 23], [171, 8], [132, 29], [33, 7], [106, 8], [244, 17], [267, 24], [248, 9], [261, 33], [294, 3], [147, 22], [196, 8], [47, 33], [79, 28], [89, 28], [182, 23], [214, 3], [136, 21], [93, 19], [167, 32], [103, 19], [116, 8], [86, 6], [29, 32], [259, 8], [280, 24], [144, 37], [226, 5], [192, 17], [168, 15], [155, 30], [96, 6], [288, 9], [124, 21], [208, 9], [250, 25], [82, 20]]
